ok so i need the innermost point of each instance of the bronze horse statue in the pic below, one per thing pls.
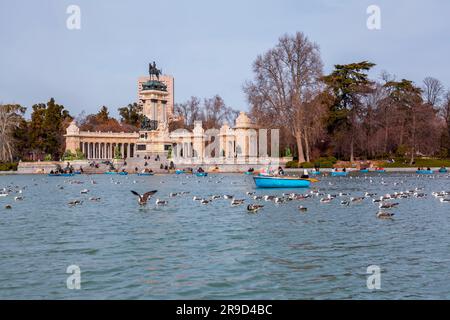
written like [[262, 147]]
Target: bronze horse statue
[[153, 70]]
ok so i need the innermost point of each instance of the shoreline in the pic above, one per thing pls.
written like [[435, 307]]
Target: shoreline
[[287, 170]]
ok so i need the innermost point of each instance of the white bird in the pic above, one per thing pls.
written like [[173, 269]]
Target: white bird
[[161, 202]]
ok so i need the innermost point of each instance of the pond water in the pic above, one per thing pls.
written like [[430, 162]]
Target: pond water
[[189, 250]]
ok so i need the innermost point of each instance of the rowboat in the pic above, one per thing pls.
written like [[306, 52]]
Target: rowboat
[[77, 172], [380, 170], [110, 172], [248, 172], [61, 174], [424, 171], [339, 173], [145, 174], [179, 171], [364, 170], [123, 173], [201, 174], [443, 170], [280, 182]]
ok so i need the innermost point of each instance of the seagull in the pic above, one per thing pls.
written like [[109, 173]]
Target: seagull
[[236, 202], [204, 201], [74, 203], [8, 206], [387, 205], [18, 198], [214, 197], [227, 197], [357, 199], [195, 198], [142, 200], [161, 202], [94, 199], [445, 200], [254, 207], [302, 209], [84, 191], [384, 215]]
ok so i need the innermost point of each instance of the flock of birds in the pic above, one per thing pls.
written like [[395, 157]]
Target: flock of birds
[[254, 202]]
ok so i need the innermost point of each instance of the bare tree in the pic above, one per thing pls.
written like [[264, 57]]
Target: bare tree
[[9, 121], [189, 111], [432, 91], [216, 113], [285, 80]]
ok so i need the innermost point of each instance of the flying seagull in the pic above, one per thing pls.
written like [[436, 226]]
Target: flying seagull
[[142, 200]]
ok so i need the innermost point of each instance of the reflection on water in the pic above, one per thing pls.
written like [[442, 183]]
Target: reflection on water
[[187, 250]]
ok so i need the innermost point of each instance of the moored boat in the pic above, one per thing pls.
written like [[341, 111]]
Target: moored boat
[[61, 174], [179, 171], [364, 170], [201, 174], [280, 182], [443, 170], [424, 171], [145, 174], [339, 173]]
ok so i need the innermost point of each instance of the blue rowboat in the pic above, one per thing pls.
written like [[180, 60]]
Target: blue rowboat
[[443, 170], [247, 172], [339, 173], [145, 174], [123, 173], [77, 172], [364, 170], [380, 171], [110, 172], [201, 174], [315, 172], [179, 171], [281, 182], [424, 171], [61, 174]]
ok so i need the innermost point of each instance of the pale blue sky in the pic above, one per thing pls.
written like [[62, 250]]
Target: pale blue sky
[[208, 46]]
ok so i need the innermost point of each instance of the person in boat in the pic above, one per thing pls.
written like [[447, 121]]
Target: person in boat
[[52, 172], [145, 164], [429, 169], [305, 174], [200, 170], [250, 170], [344, 170], [171, 165], [81, 169], [280, 171], [161, 166], [150, 171], [136, 169]]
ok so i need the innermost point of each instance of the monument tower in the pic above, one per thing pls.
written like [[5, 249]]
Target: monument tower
[[157, 110]]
